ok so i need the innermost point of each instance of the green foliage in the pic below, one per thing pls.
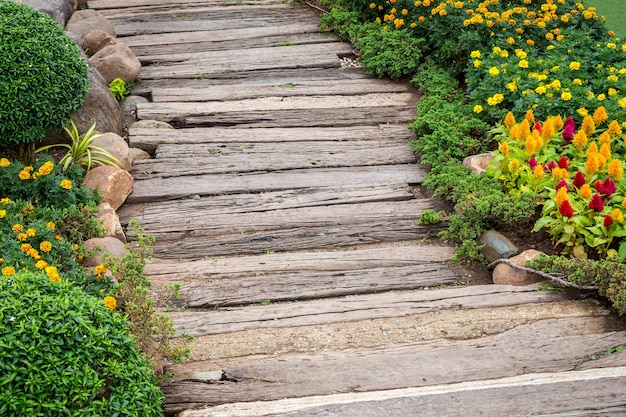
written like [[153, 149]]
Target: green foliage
[[120, 89], [63, 353], [82, 151], [608, 275], [430, 217], [390, 54], [44, 78], [154, 333]]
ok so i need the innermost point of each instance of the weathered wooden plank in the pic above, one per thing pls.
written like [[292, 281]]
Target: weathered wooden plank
[[313, 88], [225, 158], [303, 238], [206, 10], [158, 189], [223, 269], [121, 4], [313, 285], [149, 139], [180, 223], [360, 307], [513, 353], [598, 392], [159, 111], [210, 36]]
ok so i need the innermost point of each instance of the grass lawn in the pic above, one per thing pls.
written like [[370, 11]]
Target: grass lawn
[[615, 14]]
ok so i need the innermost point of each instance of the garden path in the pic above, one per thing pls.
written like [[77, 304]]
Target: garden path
[[286, 203]]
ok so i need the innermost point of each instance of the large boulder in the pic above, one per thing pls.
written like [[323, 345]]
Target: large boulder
[[59, 10], [96, 40], [114, 184], [116, 61], [504, 274], [88, 20], [99, 246], [116, 146], [110, 222], [100, 107]]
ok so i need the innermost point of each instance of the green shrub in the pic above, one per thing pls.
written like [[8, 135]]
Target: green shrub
[[44, 78], [62, 353], [391, 54]]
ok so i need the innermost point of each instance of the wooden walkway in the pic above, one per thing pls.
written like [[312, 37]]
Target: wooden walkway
[[286, 204]]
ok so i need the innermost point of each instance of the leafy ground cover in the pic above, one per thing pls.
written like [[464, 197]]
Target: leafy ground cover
[[541, 85]]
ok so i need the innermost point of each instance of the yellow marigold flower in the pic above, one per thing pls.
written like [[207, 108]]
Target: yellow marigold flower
[[601, 97], [530, 42], [4, 162], [58, 237], [574, 65], [550, 47], [523, 63], [561, 196], [67, 184], [495, 99], [1, 261], [509, 121], [7, 271], [538, 172], [45, 246], [504, 148], [25, 247], [45, 169], [413, 24], [611, 92], [34, 254], [17, 228], [3, 214], [475, 54], [585, 191], [404, 12], [582, 111], [520, 53], [588, 125], [540, 90], [477, 63], [504, 54], [593, 164], [510, 41], [549, 36], [580, 139], [101, 269], [478, 108], [110, 303], [559, 38], [566, 96], [494, 72], [41, 264], [372, 5], [615, 169], [29, 169], [24, 175], [50, 225], [31, 232], [577, 81], [617, 216], [5, 200], [22, 237], [53, 274], [458, 4], [622, 102], [591, 95]]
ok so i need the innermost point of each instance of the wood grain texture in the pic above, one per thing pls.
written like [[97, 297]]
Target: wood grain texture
[[361, 307], [159, 189]]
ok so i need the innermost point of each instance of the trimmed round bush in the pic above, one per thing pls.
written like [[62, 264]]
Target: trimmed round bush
[[63, 354], [43, 77]]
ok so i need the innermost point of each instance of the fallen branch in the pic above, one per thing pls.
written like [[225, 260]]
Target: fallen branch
[[542, 274], [317, 8]]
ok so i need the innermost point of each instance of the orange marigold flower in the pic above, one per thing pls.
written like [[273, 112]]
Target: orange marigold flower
[[31, 232], [45, 246], [67, 184], [53, 274], [585, 191], [22, 237], [17, 228], [101, 269], [41, 264], [7, 271], [45, 169], [24, 175], [110, 303], [4, 162], [589, 126], [615, 169]]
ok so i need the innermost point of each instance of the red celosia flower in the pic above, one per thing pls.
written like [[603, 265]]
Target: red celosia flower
[[596, 203], [537, 127], [563, 162], [569, 121], [566, 209], [608, 187], [561, 184], [568, 133], [532, 162], [551, 165], [608, 221], [579, 179]]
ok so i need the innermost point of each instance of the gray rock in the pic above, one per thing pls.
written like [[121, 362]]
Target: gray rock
[[88, 20], [497, 246], [59, 10], [101, 245], [111, 222], [116, 146], [137, 154], [504, 274], [114, 184], [130, 103], [116, 61], [96, 40], [150, 124], [478, 163], [100, 106]]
